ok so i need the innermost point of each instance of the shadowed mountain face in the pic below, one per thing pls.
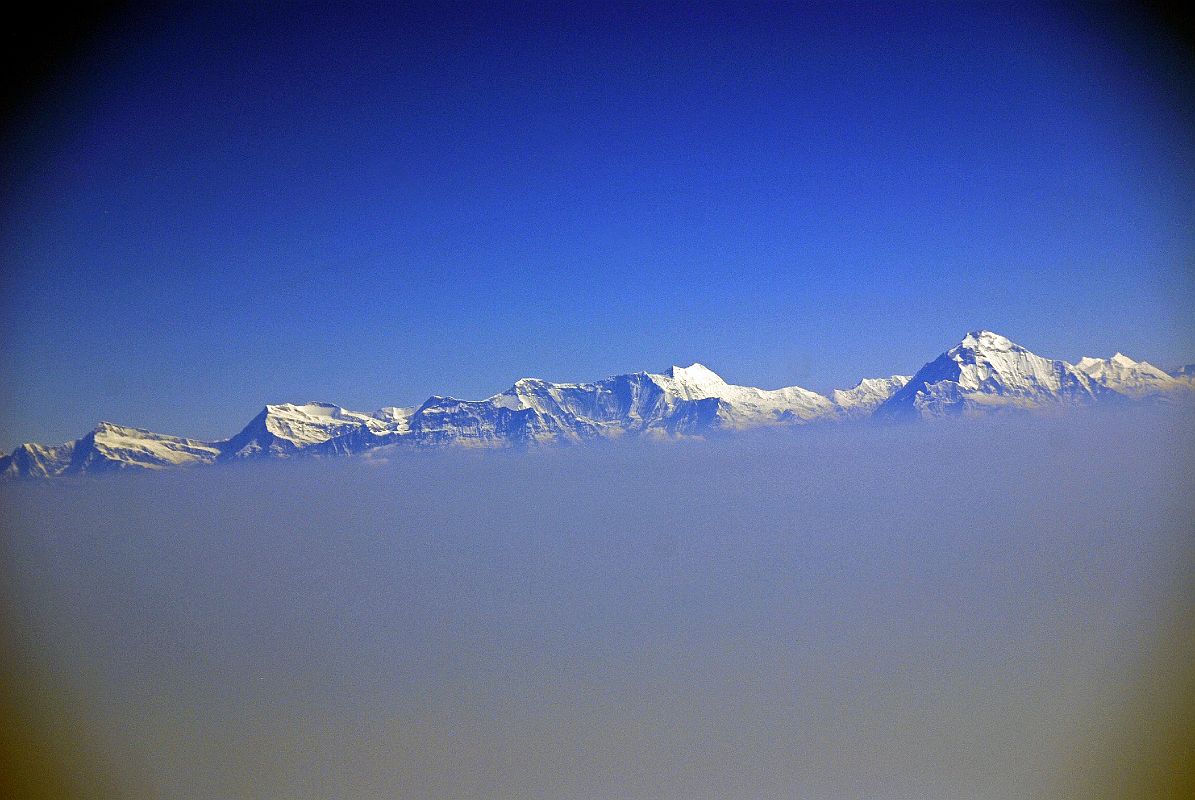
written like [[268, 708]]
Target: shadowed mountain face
[[984, 373]]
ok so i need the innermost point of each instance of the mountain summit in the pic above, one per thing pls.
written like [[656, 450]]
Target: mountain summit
[[983, 373], [1132, 378], [986, 372]]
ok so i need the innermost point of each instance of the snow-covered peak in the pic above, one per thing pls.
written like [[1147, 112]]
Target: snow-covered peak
[[118, 446], [988, 338], [695, 375], [984, 341], [987, 356], [124, 435], [283, 417], [1128, 377], [315, 412], [105, 428], [1119, 364], [284, 428], [867, 395], [108, 447], [986, 371]]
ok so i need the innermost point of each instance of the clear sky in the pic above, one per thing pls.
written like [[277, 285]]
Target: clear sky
[[206, 210]]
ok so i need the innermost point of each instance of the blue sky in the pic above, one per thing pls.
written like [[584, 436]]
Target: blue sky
[[210, 209]]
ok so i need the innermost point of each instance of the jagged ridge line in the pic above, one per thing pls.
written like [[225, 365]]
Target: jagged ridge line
[[984, 372]]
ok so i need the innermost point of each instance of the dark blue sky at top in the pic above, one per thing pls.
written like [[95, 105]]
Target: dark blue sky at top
[[212, 208]]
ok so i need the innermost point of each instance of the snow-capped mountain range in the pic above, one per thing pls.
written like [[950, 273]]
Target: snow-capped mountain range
[[983, 373]]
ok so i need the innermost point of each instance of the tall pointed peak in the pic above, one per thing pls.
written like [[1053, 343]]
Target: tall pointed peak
[[694, 374], [986, 345], [987, 340]]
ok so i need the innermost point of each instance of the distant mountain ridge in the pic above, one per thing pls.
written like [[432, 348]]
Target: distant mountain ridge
[[982, 374]]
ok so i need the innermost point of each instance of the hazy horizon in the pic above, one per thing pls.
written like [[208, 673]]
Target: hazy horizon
[[962, 608]]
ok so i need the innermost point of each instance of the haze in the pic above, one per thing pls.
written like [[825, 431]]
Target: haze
[[935, 611]]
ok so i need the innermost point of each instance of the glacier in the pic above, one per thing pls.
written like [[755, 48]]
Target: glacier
[[984, 373]]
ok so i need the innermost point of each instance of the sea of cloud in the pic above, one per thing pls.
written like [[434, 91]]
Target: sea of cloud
[[961, 609]]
